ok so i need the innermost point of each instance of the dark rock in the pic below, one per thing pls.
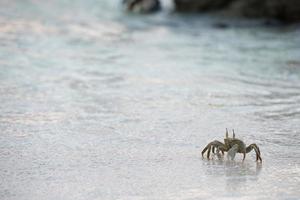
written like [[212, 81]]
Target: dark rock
[[284, 10], [200, 5], [142, 6], [220, 25]]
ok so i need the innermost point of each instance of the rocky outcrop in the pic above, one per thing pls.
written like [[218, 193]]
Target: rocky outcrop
[[285, 10], [142, 6], [200, 5]]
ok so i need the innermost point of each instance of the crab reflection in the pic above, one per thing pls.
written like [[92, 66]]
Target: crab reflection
[[237, 174]]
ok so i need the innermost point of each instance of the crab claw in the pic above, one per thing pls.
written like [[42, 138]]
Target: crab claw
[[232, 151]]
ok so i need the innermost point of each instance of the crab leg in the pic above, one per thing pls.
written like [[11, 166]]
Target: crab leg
[[212, 146], [256, 149], [218, 149], [208, 152], [204, 150], [213, 149], [208, 149], [257, 153]]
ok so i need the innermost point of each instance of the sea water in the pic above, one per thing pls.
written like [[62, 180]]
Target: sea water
[[96, 103]]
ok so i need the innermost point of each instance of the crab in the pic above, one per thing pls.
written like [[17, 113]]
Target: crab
[[231, 146]]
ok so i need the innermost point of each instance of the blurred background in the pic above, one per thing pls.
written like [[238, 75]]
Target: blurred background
[[100, 103]]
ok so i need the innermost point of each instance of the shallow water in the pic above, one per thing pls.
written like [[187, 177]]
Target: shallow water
[[98, 104]]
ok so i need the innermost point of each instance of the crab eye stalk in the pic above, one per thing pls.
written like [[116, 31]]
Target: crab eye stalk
[[226, 133], [233, 134]]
